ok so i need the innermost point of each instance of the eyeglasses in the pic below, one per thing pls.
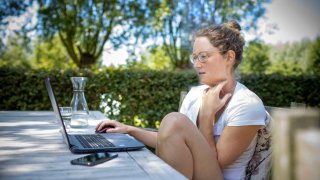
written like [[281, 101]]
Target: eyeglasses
[[201, 57]]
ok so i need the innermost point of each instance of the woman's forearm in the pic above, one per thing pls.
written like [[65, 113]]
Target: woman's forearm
[[206, 130], [208, 135], [148, 138]]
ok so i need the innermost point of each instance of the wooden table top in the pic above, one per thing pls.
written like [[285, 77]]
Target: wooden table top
[[31, 147]]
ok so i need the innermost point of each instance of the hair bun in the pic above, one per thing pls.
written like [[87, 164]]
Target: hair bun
[[234, 25]]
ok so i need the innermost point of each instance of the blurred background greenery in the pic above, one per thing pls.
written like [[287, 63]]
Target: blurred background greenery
[[75, 33], [68, 38]]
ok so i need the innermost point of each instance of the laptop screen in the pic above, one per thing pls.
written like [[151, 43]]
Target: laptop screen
[[56, 109]]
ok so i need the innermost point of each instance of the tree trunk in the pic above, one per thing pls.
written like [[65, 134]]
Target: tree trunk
[[87, 60]]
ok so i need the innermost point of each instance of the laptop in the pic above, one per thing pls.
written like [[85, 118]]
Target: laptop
[[90, 143]]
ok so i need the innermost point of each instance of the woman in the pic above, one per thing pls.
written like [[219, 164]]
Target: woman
[[215, 133]]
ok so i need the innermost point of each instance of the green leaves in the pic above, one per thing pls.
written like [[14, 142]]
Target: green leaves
[[255, 58], [139, 97], [314, 57], [85, 26]]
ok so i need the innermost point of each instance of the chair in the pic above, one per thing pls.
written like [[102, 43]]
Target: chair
[[259, 167]]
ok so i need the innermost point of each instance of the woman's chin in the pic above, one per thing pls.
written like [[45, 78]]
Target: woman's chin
[[202, 81], [207, 82]]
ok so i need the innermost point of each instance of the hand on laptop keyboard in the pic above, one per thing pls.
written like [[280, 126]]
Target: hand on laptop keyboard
[[112, 126], [104, 129]]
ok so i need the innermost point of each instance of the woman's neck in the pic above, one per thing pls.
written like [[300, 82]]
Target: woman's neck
[[230, 86]]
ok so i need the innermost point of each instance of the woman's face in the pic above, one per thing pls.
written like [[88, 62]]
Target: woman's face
[[216, 68]]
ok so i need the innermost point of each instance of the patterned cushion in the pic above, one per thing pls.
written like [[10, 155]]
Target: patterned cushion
[[259, 166]]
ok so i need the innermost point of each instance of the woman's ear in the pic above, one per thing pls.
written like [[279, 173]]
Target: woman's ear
[[231, 56]]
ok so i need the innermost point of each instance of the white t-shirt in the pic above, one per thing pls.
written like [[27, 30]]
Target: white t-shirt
[[244, 108]]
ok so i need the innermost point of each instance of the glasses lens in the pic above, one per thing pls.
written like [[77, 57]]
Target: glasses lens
[[192, 58], [203, 57]]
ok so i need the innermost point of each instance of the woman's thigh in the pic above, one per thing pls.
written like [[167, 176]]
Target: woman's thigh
[[178, 127]]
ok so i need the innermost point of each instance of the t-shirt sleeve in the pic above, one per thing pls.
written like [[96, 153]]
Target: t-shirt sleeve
[[191, 103], [247, 113], [185, 104]]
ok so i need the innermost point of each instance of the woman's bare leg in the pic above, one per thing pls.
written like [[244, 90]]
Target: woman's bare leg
[[182, 146]]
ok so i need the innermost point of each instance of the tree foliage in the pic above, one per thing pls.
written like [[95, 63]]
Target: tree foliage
[[290, 58], [177, 20], [12, 8], [314, 57], [9, 9], [16, 53], [255, 58], [50, 55], [85, 26], [154, 58]]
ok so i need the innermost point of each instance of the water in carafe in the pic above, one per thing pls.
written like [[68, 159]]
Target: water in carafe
[[80, 111]]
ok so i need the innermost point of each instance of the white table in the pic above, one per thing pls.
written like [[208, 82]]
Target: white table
[[31, 147]]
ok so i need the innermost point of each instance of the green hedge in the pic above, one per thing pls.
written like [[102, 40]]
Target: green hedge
[[139, 97]]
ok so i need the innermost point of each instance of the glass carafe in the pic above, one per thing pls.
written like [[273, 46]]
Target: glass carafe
[[80, 111]]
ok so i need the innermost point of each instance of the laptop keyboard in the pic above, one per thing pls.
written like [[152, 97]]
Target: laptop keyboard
[[94, 141]]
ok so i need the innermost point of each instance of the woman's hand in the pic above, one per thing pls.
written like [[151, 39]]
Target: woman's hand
[[212, 103], [112, 126], [148, 138]]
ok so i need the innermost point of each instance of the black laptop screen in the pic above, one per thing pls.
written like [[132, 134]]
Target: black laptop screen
[[56, 109]]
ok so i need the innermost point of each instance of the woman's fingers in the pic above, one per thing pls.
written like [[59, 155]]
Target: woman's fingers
[[105, 123], [98, 125], [220, 86], [112, 126], [226, 98], [213, 98], [216, 89]]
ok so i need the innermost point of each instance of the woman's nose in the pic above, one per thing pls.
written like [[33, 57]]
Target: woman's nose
[[197, 64]]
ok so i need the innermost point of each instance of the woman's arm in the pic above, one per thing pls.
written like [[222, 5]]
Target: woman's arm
[[233, 141], [148, 138], [210, 107]]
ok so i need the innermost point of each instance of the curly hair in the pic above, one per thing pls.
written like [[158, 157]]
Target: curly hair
[[225, 37]]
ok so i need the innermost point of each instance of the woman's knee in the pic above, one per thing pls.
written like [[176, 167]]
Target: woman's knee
[[173, 123]]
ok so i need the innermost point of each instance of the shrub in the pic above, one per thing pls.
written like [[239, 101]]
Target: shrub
[[139, 97]]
